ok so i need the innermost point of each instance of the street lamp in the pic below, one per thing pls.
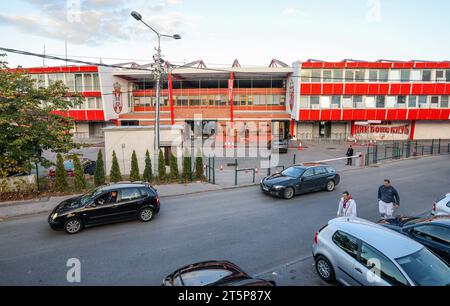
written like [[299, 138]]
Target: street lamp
[[159, 69]]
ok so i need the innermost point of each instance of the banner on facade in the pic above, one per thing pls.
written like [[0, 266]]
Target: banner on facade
[[382, 131]]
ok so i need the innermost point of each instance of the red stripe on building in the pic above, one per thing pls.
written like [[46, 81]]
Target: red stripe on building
[[230, 96], [64, 69], [170, 92]]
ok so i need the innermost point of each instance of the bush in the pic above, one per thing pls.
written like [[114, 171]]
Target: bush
[[99, 176], [80, 181], [187, 170], [161, 167], [134, 174], [115, 175], [174, 173], [148, 171], [199, 174], [61, 174]]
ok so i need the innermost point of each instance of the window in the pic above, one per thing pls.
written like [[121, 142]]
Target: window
[[309, 173], [338, 75], [422, 101], [347, 243], [146, 192], [394, 76], [370, 102], [447, 75], [391, 101], [129, 194], [415, 75], [384, 73], [434, 102], [381, 100], [360, 75], [316, 76], [349, 75], [412, 101], [314, 101], [320, 171], [405, 75], [358, 101], [78, 82], [336, 102], [433, 232], [304, 101], [331, 170], [325, 102], [401, 101], [99, 103], [259, 100], [386, 269], [347, 102], [88, 82], [373, 75], [194, 100], [92, 103], [440, 75], [327, 76], [202, 277], [444, 101], [305, 75], [96, 82], [426, 75], [70, 81]]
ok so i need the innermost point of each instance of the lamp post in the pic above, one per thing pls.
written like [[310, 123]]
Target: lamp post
[[159, 70]]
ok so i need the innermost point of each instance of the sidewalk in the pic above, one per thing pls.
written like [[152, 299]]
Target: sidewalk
[[9, 210]]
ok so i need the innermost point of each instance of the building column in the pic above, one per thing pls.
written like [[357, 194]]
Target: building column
[[230, 96], [352, 129], [170, 92], [292, 128], [413, 129]]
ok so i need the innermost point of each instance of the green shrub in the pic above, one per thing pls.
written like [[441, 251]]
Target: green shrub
[[134, 174], [115, 175]]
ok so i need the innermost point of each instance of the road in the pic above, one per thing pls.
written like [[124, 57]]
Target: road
[[259, 233]]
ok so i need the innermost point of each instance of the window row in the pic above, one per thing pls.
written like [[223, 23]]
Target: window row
[[373, 75], [214, 100], [324, 102], [90, 103], [76, 82]]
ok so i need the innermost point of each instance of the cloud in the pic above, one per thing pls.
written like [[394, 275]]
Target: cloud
[[290, 11], [95, 21]]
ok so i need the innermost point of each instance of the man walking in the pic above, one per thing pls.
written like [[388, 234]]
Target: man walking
[[350, 153], [388, 199], [347, 206]]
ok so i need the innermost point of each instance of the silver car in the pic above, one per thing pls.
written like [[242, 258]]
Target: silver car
[[442, 206], [357, 252]]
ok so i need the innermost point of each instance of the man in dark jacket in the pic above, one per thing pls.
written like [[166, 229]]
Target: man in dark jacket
[[388, 199], [350, 153]]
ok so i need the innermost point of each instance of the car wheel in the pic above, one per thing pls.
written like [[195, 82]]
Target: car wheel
[[288, 193], [146, 214], [73, 226], [325, 269], [330, 186]]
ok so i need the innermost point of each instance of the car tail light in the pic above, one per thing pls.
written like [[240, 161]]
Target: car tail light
[[316, 237], [157, 201]]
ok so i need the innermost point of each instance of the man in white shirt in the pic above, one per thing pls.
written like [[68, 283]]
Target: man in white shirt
[[347, 206]]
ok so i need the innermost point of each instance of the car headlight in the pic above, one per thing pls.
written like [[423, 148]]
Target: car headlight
[[278, 187], [54, 216]]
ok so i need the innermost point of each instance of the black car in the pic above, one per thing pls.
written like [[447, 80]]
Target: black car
[[106, 204], [434, 232], [213, 273], [87, 164], [300, 179]]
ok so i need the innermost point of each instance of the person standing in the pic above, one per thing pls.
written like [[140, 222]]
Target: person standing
[[388, 199], [350, 153], [347, 206]]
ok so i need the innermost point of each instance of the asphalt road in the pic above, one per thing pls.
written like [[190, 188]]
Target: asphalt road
[[259, 233]]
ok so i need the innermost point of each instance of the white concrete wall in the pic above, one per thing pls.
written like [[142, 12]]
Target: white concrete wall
[[304, 130], [338, 130], [139, 139], [107, 81], [432, 130]]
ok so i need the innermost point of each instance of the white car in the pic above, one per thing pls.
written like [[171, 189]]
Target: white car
[[442, 206]]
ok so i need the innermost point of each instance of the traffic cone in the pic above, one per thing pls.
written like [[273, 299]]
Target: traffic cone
[[300, 146], [256, 170], [221, 167]]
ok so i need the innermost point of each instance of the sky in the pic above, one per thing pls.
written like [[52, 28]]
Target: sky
[[252, 31]]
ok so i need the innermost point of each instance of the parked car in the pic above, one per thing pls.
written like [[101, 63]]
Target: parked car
[[281, 146], [300, 179], [442, 206], [213, 273], [359, 252], [106, 204], [434, 233], [87, 164]]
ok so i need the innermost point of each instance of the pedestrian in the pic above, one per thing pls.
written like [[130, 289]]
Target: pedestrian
[[388, 199], [347, 206], [349, 154]]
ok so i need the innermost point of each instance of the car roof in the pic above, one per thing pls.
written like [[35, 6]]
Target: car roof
[[124, 185], [311, 165], [376, 236]]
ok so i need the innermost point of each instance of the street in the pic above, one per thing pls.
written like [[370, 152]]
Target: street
[[259, 233]]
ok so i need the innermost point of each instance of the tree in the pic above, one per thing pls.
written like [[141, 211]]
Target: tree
[[174, 174], [134, 174], [80, 181], [148, 171], [32, 120], [199, 175], [187, 161], [161, 166], [115, 175], [61, 174], [99, 175]]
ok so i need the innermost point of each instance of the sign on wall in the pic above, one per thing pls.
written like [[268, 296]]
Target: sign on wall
[[117, 103], [382, 131]]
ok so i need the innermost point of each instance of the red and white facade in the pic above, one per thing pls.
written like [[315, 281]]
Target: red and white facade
[[381, 100]]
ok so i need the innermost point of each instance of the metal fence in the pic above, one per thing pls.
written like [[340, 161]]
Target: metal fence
[[394, 150]]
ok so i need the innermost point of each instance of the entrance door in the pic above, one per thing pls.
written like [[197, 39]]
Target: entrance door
[[325, 129]]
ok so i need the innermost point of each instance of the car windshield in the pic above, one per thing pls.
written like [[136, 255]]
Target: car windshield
[[294, 172], [204, 277], [425, 269], [89, 197]]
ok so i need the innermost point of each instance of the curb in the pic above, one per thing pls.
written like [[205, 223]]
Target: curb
[[17, 203]]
